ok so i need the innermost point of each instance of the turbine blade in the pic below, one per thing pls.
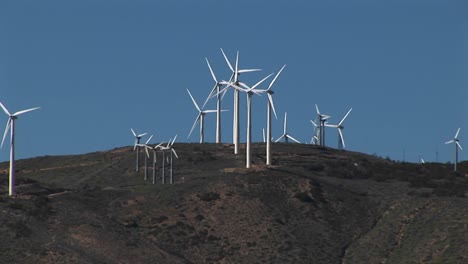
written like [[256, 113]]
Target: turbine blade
[[224, 93], [290, 137], [341, 137], [343, 119], [276, 76], [313, 123], [174, 140], [149, 139], [209, 111], [175, 153], [456, 134], [194, 124], [8, 124], [262, 80], [210, 95], [458, 144], [135, 145], [248, 70], [25, 111], [211, 70], [147, 152], [236, 73], [133, 132], [263, 134], [194, 102], [5, 109], [158, 145], [270, 99], [450, 141], [316, 108], [282, 136], [227, 61], [142, 134], [243, 85]]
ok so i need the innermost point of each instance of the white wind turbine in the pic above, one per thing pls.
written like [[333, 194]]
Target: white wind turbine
[[10, 125], [285, 135], [249, 91], [215, 91], [200, 118], [270, 106], [173, 152], [136, 146], [457, 145], [235, 79], [322, 119], [155, 149], [340, 127], [315, 140], [147, 156]]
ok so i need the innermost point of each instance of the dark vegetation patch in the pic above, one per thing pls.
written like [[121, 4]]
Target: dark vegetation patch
[[209, 196]]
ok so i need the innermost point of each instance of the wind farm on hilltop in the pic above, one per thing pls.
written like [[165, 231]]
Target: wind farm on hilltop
[[220, 89], [174, 132], [320, 191]]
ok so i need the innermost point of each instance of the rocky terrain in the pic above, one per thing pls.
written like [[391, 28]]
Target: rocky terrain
[[315, 205]]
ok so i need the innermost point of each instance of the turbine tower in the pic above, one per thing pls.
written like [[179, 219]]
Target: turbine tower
[[285, 135], [11, 125], [136, 146], [340, 127], [200, 118], [456, 142], [235, 79]]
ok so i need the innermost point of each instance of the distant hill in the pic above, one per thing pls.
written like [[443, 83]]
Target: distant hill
[[315, 205]]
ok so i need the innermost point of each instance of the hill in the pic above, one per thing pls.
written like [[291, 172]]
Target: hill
[[315, 205]]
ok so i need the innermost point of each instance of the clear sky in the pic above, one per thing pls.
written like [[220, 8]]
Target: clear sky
[[98, 68]]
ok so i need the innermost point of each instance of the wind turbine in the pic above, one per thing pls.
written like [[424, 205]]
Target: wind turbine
[[147, 156], [340, 127], [155, 148], [250, 91], [200, 118], [270, 106], [285, 135], [457, 145], [315, 140], [322, 120], [235, 79], [216, 89], [11, 125], [136, 146], [173, 152]]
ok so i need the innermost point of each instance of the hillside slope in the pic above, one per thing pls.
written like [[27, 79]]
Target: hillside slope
[[316, 205]]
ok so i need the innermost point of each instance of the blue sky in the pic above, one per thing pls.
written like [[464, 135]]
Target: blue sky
[[98, 68]]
